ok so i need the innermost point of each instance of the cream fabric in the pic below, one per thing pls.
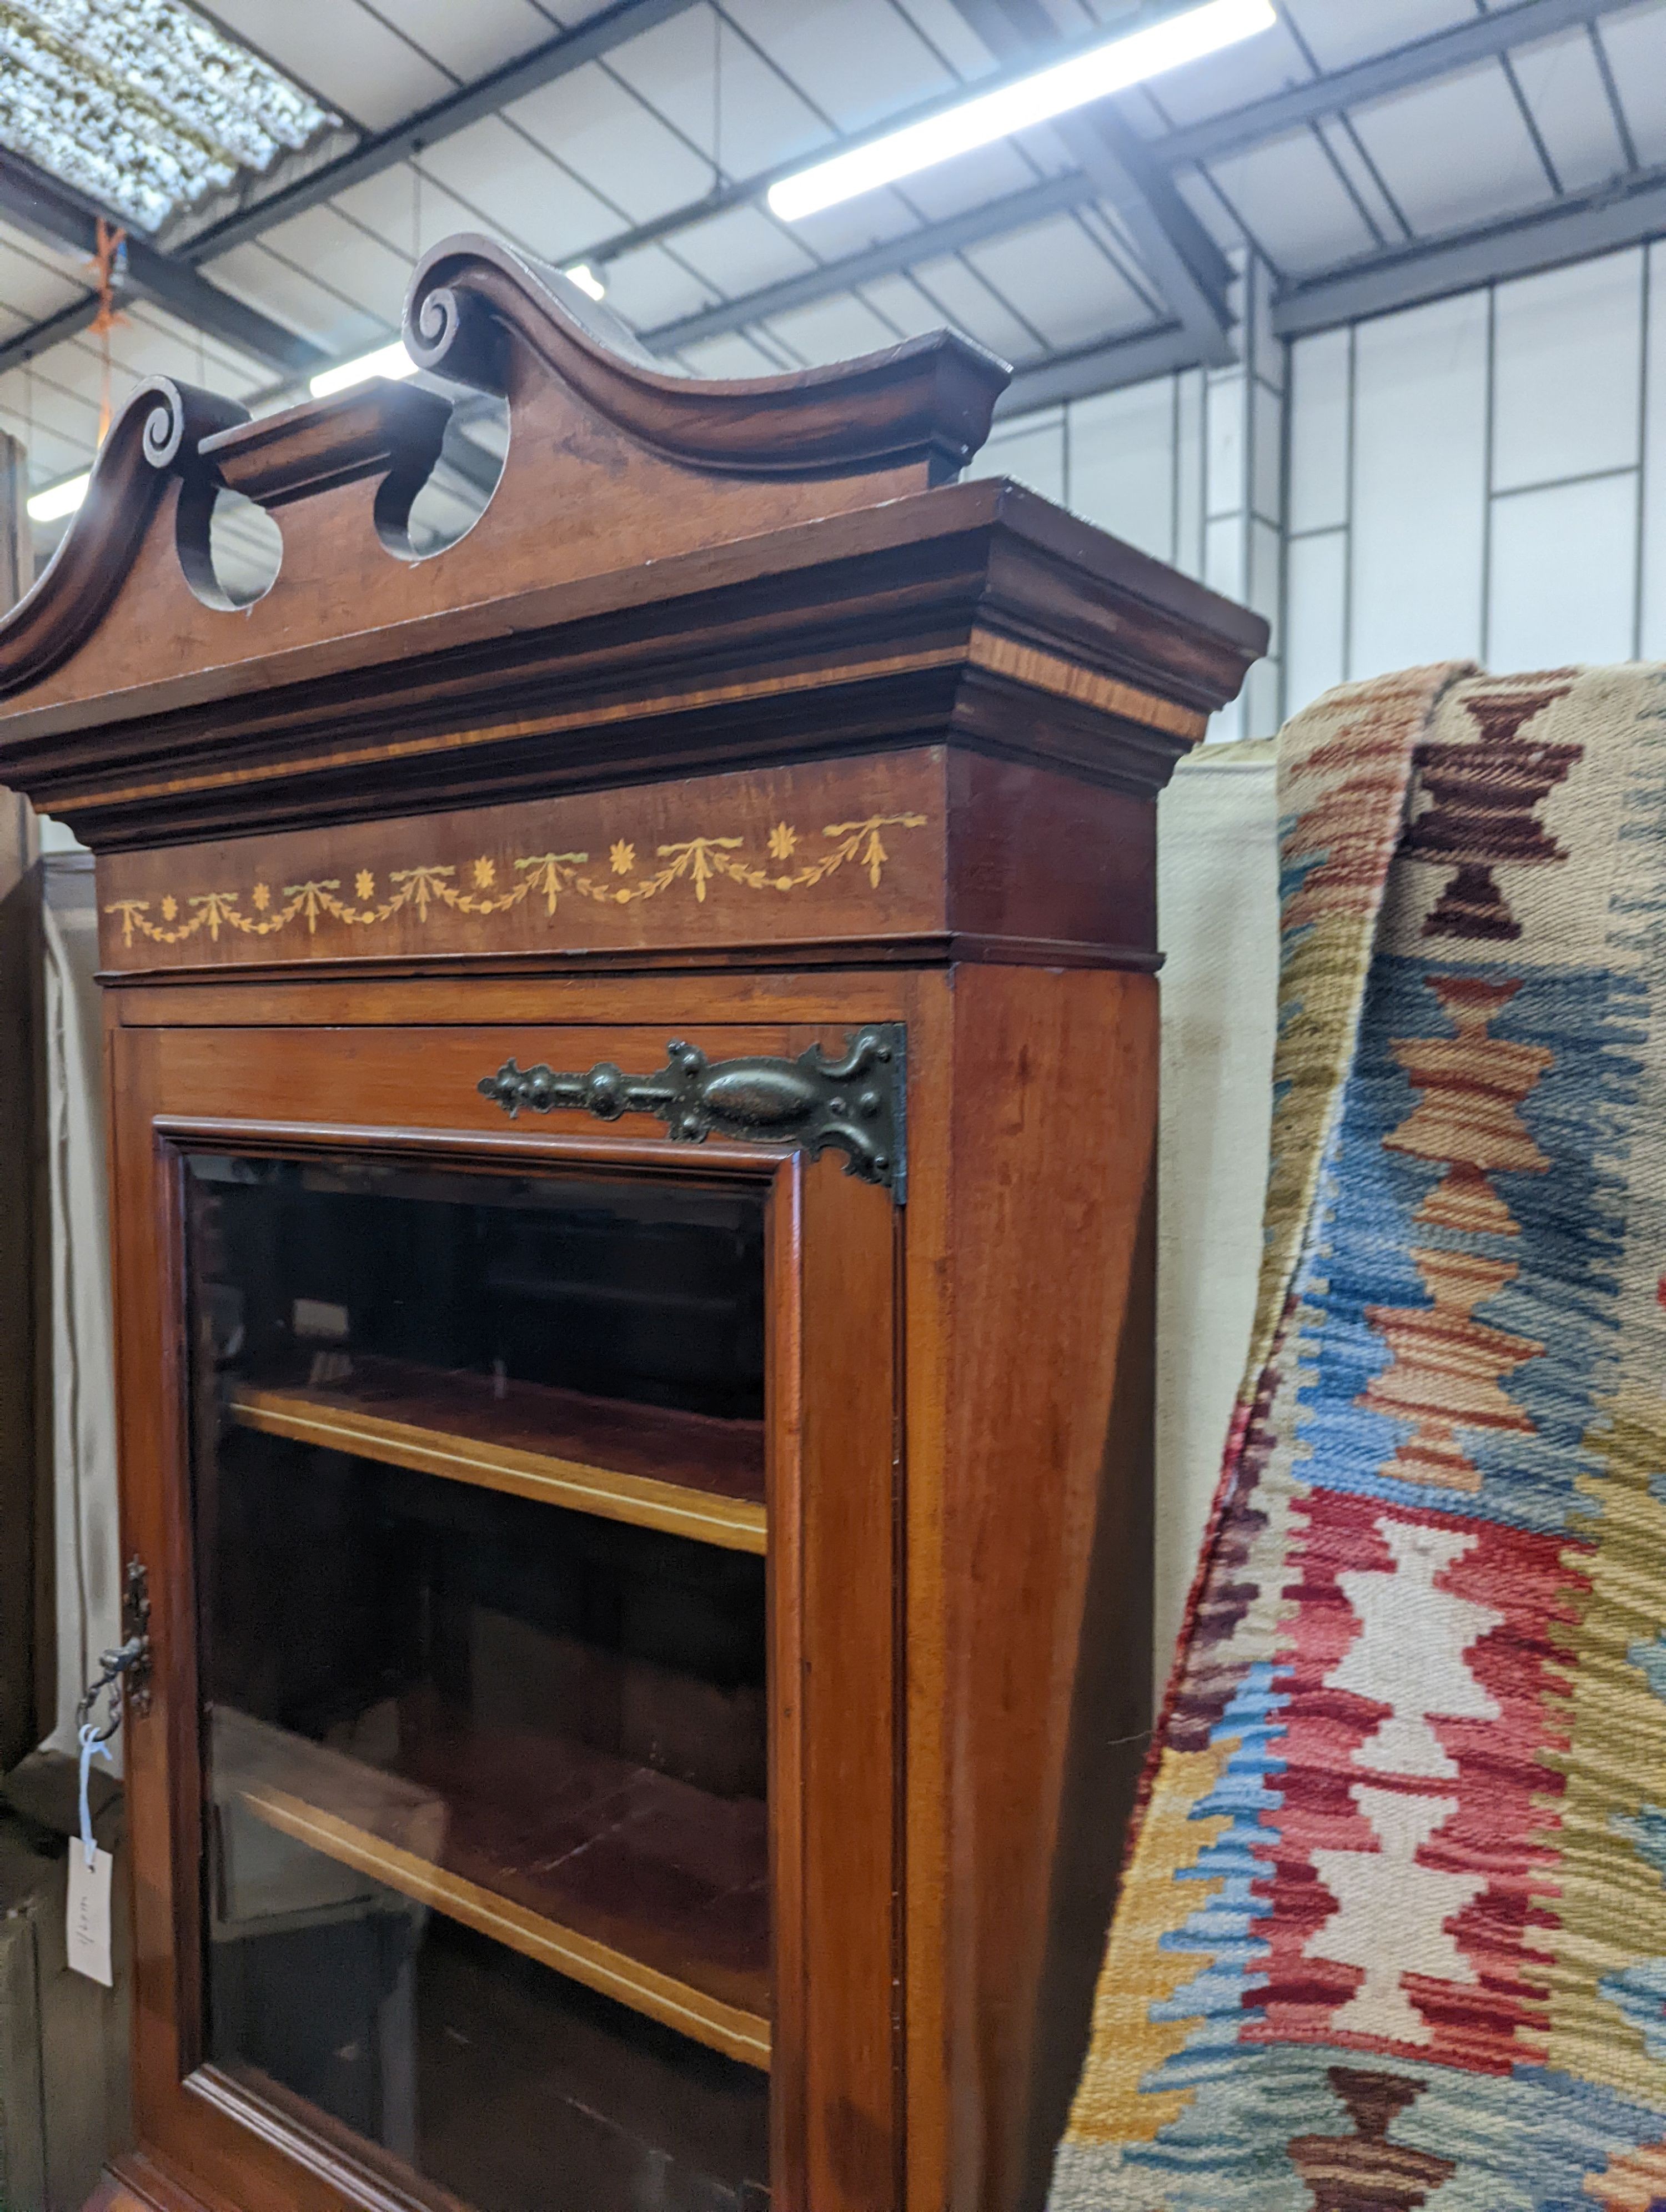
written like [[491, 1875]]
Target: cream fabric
[[86, 1535], [1217, 876]]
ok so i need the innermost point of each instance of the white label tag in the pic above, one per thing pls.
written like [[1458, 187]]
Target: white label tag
[[86, 1915]]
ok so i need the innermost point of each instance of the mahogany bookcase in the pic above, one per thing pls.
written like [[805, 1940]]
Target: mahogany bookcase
[[632, 1059]]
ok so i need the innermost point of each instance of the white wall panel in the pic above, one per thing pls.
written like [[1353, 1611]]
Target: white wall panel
[[1567, 348], [1121, 463], [1266, 486], [1188, 473], [1319, 379], [1031, 450], [1263, 698], [1419, 485], [1652, 642], [1225, 557], [1226, 408], [1563, 574], [1314, 617]]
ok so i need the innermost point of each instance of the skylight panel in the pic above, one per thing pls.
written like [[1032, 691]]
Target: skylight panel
[[142, 104]]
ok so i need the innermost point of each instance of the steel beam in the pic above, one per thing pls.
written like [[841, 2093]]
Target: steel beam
[[52, 212], [68, 323], [1103, 368], [1458, 261], [1033, 204], [1184, 262], [1423, 61]]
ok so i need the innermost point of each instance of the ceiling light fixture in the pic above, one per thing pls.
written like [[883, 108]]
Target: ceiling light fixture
[[58, 500], [1036, 99], [386, 361], [586, 278]]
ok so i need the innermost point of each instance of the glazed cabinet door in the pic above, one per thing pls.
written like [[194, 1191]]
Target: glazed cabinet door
[[513, 1822]]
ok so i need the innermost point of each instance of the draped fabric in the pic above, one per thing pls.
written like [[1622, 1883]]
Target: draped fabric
[[1218, 923], [1393, 1926], [86, 1533]]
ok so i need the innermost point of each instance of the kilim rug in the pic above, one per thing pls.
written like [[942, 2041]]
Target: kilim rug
[[1393, 1927]]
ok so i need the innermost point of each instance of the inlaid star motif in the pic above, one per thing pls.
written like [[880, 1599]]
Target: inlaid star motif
[[364, 884], [621, 859], [262, 895], [783, 842], [485, 874]]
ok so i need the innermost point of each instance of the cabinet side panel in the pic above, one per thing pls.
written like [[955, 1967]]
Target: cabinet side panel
[[1046, 1536]]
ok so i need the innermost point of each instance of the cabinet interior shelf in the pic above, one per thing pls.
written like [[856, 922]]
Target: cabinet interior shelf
[[689, 1474], [439, 1851]]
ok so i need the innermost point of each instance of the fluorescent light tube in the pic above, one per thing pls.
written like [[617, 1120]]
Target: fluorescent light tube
[[991, 115], [59, 499], [586, 278], [387, 361]]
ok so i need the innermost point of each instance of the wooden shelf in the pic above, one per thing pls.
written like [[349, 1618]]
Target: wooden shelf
[[577, 1859], [688, 1473]]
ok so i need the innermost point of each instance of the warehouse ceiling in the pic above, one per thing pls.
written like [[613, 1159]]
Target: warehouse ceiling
[[1374, 153]]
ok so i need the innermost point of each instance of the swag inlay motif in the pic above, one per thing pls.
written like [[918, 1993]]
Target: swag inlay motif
[[696, 862]]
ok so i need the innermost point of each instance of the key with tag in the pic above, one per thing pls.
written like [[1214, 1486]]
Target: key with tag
[[87, 1900], [86, 1915]]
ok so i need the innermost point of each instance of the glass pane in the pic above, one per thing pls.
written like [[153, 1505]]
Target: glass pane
[[481, 1547]]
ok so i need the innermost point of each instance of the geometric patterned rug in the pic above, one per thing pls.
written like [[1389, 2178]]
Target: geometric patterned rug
[[1392, 1929]]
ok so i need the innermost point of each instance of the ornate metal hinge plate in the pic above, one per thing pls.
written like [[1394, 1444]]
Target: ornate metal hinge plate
[[854, 1103]]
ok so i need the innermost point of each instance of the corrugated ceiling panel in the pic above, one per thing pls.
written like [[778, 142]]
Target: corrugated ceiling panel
[[1341, 32], [1265, 63], [1455, 152], [1290, 196], [519, 189], [652, 287], [471, 39], [832, 330], [34, 282], [855, 223], [945, 27], [991, 174], [902, 303], [1563, 85], [1058, 281], [739, 252], [967, 301], [1635, 45], [344, 53], [224, 367], [270, 283], [763, 120], [354, 263], [1349, 156], [624, 150], [732, 355], [392, 205], [56, 448], [859, 61]]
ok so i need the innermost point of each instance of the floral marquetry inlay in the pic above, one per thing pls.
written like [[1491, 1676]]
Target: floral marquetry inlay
[[542, 877]]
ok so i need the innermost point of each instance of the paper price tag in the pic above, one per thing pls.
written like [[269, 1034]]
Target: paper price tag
[[86, 1915]]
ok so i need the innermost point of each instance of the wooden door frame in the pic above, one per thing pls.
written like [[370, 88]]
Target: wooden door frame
[[833, 1402]]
